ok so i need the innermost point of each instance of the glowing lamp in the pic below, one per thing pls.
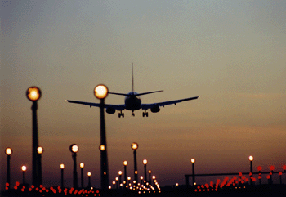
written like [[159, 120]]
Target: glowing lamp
[[129, 178], [34, 93], [119, 173], [149, 171], [125, 163], [81, 165], [100, 91], [23, 168], [116, 178], [102, 147], [192, 160], [40, 150], [272, 168], [250, 158], [62, 166], [134, 146], [8, 151], [73, 148], [259, 168], [280, 173], [89, 174], [141, 177], [145, 161]]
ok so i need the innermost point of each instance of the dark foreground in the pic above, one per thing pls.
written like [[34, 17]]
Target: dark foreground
[[253, 191]]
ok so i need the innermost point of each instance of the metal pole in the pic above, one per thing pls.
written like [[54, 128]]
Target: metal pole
[[135, 167], [145, 178], [89, 183], [193, 168], [24, 178], [62, 178], [35, 170], [104, 173], [75, 180], [125, 177], [82, 177], [40, 169], [8, 171], [250, 172]]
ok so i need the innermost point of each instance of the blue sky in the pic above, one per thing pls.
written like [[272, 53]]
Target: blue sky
[[230, 53]]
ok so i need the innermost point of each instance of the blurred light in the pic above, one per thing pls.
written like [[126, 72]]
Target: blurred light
[[88, 173], [102, 147], [74, 148], [62, 166], [192, 160], [100, 91], [134, 146], [119, 172], [272, 168], [141, 177], [8, 151], [24, 168], [125, 163], [116, 178], [129, 178], [259, 168], [33, 93], [149, 171], [250, 158], [145, 161], [81, 165], [40, 150], [153, 177]]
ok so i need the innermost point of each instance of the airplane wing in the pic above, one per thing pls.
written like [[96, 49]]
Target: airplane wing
[[149, 106], [116, 107]]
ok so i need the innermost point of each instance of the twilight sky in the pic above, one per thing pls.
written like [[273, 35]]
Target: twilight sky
[[230, 53]]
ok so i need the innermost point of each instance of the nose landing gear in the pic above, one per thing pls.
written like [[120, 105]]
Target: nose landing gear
[[120, 114], [145, 114]]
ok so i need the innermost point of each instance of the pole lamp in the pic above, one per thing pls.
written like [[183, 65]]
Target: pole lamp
[[125, 172], [74, 149], [89, 181], [150, 176], [62, 167], [145, 170], [8, 152], [100, 92], [193, 170], [120, 175], [134, 147], [40, 152], [34, 94], [81, 165], [24, 168], [250, 158]]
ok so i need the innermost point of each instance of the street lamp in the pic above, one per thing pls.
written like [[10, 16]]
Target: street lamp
[[34, 94], [134, 147], [24, 168], [100, 92], [145, 164], [74, 149], [81, 165], [120, 175], [193, 169], [62, 167], [89, 181], [250, 158], [8, 152], [40, 152], [150, 176], [125, 172]]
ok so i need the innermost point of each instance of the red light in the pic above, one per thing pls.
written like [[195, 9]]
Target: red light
[[97, 191], [272, 168], [240, 173], [268, 177], [259, 168], [17, 183], [250, 173], [284, 167], [280, 173]]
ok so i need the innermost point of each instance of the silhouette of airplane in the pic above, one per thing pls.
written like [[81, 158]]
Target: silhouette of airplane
[[133, 102]]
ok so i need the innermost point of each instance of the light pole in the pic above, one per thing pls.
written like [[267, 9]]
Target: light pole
[[8, 152], [145, 170], [40, 152], [62, 167], [81, 165], [193, 169], [24, 168], [134, 147], [100, 92], [250, 158], [125, 172], [74, 149], [89, 181], [150, 176], [34, 94], [120, 175]]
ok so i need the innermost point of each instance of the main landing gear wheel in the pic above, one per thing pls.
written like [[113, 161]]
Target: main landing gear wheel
[[145, 114], [120, 114]]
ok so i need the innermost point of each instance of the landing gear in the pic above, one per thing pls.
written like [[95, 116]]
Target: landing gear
[[120, 114], [145, 114], [133, 114]]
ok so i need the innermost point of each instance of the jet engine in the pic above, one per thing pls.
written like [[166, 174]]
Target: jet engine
[[110, 110], [155, 109]]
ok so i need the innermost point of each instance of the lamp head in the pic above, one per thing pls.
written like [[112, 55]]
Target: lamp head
[[134, 146], [119, 172], [102, 147], [40, 150], [23, 168], [8, 151], [89, 174], [100, 91], [81, 165], [73, 148], [125, 163], [62, 166], [192, 160], [250, 158], [34, 93], [145, 161]]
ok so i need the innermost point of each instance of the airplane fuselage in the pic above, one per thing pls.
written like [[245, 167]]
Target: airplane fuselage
[[132, 101]]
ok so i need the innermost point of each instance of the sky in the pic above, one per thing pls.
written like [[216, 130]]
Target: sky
[[230, 53]]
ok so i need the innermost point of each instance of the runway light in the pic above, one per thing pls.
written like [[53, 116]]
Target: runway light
[[73, 148], [23, 168], [34, 93], [62, 166], [8, 151], [100, 91], [250, 158], [134, 146], [192, 160], [40, 150]]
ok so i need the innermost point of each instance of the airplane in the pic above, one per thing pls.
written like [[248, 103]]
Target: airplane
[[133, 102]]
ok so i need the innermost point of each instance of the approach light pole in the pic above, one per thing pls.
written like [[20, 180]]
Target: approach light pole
[[193, 170], [62, 167], [34, 94], [250, 158], [100, 92], [24, 168], [8, 152], [81, 165], [40, 152], [145, 170], [125, 174], [134, 147], [74, 149], [89, 181]]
